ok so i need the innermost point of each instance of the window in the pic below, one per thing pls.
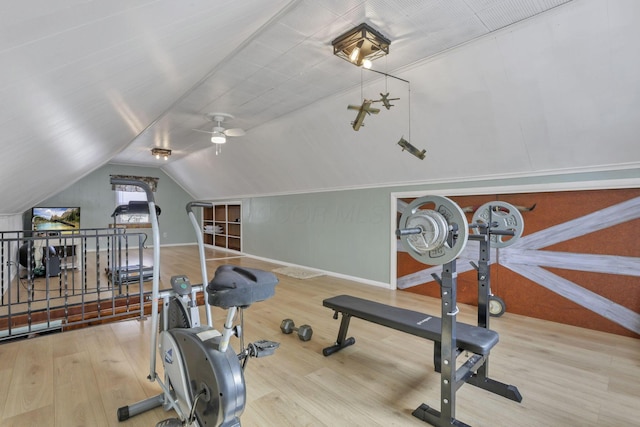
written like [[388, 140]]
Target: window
[[126, 193], [123, 198]]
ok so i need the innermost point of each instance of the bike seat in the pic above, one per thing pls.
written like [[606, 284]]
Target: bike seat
[[234, 286]]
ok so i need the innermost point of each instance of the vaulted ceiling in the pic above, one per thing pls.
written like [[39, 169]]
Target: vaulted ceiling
[[487, 87]]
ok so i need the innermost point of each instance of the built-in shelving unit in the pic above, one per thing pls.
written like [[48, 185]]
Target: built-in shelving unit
[[222, 225]]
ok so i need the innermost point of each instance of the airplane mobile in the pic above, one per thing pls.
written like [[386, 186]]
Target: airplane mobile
[[411, 149], [363, 110], [385, 100]]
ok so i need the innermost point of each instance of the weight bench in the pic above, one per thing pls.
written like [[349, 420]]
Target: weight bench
[[468, 338], [474, 339], [435, 231]]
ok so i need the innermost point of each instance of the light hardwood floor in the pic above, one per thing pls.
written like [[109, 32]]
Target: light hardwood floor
[[567, 376]]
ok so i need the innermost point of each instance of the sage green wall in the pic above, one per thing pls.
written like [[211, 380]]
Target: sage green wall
[[346, 232], [341, 231], [97, 201], [349, 232]]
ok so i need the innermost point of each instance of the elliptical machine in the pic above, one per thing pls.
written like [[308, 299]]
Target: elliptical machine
[[203, 377]]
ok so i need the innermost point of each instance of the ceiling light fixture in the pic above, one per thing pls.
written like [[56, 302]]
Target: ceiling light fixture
[[218, 136], [161, 152], [361, 45]]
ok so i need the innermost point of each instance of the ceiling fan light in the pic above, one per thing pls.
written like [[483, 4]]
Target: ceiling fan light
[[218, 137]]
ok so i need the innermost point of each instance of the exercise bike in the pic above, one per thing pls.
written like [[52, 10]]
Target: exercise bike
[[203, 378]]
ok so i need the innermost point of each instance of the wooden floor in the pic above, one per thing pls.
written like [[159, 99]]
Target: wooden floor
[[567, 376]]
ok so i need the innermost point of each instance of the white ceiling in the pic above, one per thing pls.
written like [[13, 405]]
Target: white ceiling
[[287, 63], [85, 83]]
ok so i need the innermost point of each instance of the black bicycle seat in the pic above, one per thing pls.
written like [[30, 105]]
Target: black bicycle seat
[[234, 286]]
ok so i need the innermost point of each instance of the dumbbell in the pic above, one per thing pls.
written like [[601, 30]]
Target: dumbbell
[[304, 332]]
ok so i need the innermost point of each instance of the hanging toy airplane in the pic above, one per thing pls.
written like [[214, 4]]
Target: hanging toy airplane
[[385, 100], [363, 110], [411, 149]]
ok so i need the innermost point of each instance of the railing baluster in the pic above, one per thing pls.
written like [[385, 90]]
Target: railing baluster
[[43, 308]]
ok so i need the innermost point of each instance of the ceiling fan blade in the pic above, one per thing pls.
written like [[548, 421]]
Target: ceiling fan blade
[[234, 132], [203, 131]]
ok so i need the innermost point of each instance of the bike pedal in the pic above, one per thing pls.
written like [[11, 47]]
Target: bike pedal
[[266, 347]]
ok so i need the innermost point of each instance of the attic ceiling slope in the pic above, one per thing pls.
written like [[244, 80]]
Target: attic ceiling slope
[[85, 83], [84, 79], [288, 64], [484, 111]]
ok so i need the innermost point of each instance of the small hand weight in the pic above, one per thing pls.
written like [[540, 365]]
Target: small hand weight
[[304, 332]]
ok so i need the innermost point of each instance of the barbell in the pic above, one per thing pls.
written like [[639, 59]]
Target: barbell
[[435, 230]]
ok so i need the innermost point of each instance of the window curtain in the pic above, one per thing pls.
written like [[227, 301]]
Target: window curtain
[[149, 180]]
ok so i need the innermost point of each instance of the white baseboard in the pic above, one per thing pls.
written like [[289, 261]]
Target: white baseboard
[[325, 272]]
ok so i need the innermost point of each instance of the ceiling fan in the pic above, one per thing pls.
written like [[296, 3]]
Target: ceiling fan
[[219, 134]]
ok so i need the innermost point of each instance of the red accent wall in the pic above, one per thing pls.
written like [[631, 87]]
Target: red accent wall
[[526, 297]]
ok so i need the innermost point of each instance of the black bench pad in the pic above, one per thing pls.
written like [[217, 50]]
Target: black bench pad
[[470, 338]]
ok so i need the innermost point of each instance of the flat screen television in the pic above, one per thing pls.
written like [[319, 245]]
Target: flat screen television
[[55, 219]]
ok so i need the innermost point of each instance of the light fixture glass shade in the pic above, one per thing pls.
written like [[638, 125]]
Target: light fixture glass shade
[[355, 53], [360, 44], [161, 152], [218, 137]]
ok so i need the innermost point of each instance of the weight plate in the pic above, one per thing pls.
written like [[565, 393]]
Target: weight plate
[[497, 306], [436, 221], [434, 230], [506, 216]]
